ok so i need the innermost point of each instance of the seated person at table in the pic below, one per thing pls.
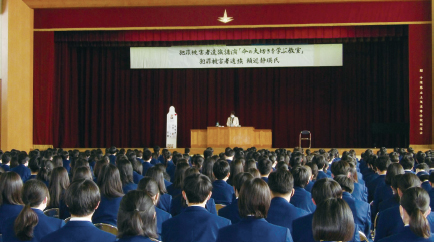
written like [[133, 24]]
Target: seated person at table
[[302, 198], [281, 211], [253, 204], [31, 224], [414, 209], [233, 121], [231, 211], [11, 203], [195, 223], [333, 221], [265, 167], [222, 192], [136, 218], [82, 198]]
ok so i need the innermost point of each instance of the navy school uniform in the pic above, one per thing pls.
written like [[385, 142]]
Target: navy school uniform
[[173, 191], [155, 161], [382, 192], [409, 171], [162, 216], [222, 192], [112, 159], [426, 186], [170, 170], [32, 177], [360, 192], [265, 179], [23, 171], [107, 212], [309, 186], [303, 199], [137, 177], [45, 226], [7, 211], [321, 175], [63, 209], [79, 231], [137, 238], [128, 187], [5, 167], [176, 207], [67, 166], [360, 178], [164, 202], [389, 203], [146, 166], [193, 224], [161, 159], [431, 196], [361, 213], [252, 229], [372, 185], [231, 212], [371, 177], [406, 235], [167, 183], [282, 213]]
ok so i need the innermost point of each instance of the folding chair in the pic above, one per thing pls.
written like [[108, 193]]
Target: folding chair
[[219, 206], [375, 225], [303, 136], [52, 212], [67, 219], [363, 237], [107, 228]]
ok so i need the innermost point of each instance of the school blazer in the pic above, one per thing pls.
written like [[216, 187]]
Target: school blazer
[[283, 213], [382, 193], [146, 166], [23, 171], [129, 187], [7, 211], [137, 238], [389, 203], [107, 212], [406, 235], [176, 207], [137, 177], [162, 216], [79, 231], [321, 175], [45, 226], [373, 185], [251, 229], [303, 199], [360, 192], [361, 213], [309, 186], [193, 224], [164, 202], [231, 212], [222, 192], [173, 191]]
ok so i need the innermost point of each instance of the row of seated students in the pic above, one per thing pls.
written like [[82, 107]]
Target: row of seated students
[[267, 196]]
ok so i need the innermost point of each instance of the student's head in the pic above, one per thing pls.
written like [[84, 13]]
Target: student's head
[[407, 181], [393, 170], [98, 166], [301, 176], [422, 167], [180, 174], [11, 186], [255, 173], [109, 182], [157, 174], [236, 167], [6, 158], [265, 166], [254, 199], [221, 169], [407, 162], [82, 198], [198, 162], [333, 221], [296, 160], [239, 180], [82, 173], [229, 153], [23, 158], [325, 188], [414, 209], [346, 183], [125, 171], [281, 182], [320, 161], [136, 215], [59, 182], [34, 195], [150, 186], [250, 163], [340, 168], [197, 189], [34, 165], [382, 163]]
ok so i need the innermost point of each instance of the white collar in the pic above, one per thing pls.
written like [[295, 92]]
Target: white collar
[[80, 219]]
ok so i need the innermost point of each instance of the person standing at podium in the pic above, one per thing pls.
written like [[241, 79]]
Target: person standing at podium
[[233, 121]]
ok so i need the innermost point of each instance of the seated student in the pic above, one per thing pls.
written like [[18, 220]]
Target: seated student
[[165, 199], [170, 163], [229, 155], [11, 203], [384, 192], [197, 161], [22, 169], [82, 198], [231, 211], [110, 185], [65, 160], [322, 164], [6, 161], [361, 211], [236, 167], [175, 188], [34, 168], [98, 165], [150, 186], [253, 204], [166, 176], [333, 221], [381, 165], [431, 192], [281, 211], [31, 224], [407, 163], [44, 172], [342, 167], [81, 173], [126, 172], [313, 168], [302, 198], [394, 200], [59, 182], [222, 192], [422, 172], [265, 167], [147, 157], [195, 223], [112, 154], [136, 218], [414, 210], [255, 173]]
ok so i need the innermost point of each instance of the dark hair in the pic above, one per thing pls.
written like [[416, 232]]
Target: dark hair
[[23, 158], [281, 182], [314, 169], [325, 188], [191, 171], [126, 171], [296, 160], [255, 173], [208, 167], [407, 162], [180, 174], [333, 221], [250, 163], [6, 158], [346, 183], [221, 169], [236, 167], [408, 180], [197, 187], [44, 173], [382, 163], [59, 182], [393, 170], [149, 185], [340, 168], [34, 193], [265, 166], [82, 197], [98, 166], [320, 161], [416, 201], [109, 182], [254, 199], [157, 174], [198, 161], [34, 165], [57, 161], [11, 186], [240, 178], [82, 173], [136, 215], [301, 176]]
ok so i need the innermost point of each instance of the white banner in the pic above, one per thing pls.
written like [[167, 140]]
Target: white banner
[[236, 56], [172, 128]]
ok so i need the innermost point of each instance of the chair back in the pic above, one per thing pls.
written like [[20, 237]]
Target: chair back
[[363, 237], [52, 212], [219, 206], [107, 228]]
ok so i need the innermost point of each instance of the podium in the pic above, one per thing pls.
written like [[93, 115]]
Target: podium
[[222, 137]]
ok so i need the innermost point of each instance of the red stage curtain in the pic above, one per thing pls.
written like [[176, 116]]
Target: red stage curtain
[[99, 101]]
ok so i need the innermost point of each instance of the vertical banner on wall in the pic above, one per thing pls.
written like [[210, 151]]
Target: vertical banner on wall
[[172, 128]]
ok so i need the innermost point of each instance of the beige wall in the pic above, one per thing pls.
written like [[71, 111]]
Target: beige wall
[[17, 75]]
